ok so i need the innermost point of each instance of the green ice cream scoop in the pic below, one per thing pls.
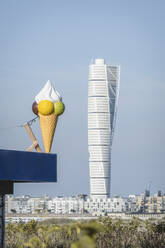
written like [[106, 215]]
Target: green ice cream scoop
[[59, 108]]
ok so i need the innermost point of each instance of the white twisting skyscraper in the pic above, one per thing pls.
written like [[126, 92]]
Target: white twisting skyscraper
[[103, 93]]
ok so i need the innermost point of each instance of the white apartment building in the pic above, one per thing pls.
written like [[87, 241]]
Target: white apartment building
[[104, 206], [132, 205], [36, 205], [26, 204], [18, 204], [83, 205], [103, 93], [66, 205]]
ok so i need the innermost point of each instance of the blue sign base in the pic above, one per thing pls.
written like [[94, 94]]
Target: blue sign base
[[20, 166]]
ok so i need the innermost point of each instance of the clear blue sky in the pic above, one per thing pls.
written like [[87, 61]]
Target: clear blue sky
[[56, 40]]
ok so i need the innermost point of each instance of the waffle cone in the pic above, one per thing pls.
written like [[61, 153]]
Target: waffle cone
[[48, 125]]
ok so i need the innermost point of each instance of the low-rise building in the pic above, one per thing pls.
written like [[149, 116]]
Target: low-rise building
[[84, 205], [105, 206], [151, 204]]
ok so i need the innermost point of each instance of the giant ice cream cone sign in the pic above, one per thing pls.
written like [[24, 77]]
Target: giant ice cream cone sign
[[48, 106]]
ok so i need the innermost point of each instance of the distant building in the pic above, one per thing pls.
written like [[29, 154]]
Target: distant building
[[82, 204], [132, 206], [104, 206], [147, 193], [26, 204], [103, 94], [151, 204], [66, 205]]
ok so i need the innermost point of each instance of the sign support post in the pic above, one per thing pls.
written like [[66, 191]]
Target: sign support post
[[6, 187], [2, 221]]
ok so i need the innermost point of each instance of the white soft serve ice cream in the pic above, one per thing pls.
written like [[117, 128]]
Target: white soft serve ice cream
[[48, 93]]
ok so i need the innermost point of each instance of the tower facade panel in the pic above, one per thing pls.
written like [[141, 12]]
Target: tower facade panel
[[99, 169], [103, 92]]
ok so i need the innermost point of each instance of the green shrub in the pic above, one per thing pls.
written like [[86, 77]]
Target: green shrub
[[101, 233]]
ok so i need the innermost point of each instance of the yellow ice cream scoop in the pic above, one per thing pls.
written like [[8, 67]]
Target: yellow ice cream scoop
[[45, 107]]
